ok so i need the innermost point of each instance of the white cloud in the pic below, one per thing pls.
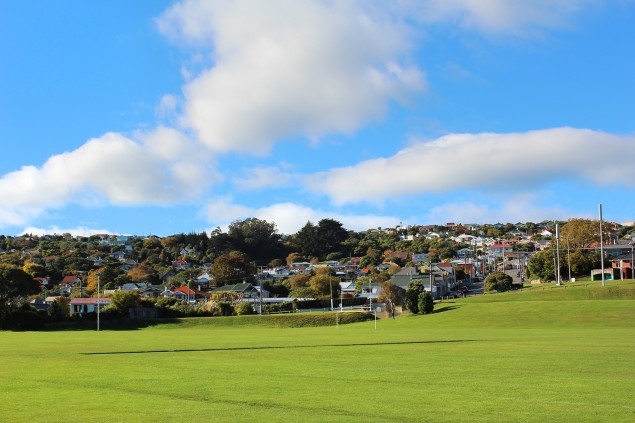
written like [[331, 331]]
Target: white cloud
[[515, 208], [483, 162], [267, 177], [79, 231], [166, 109], [162, 168], [290, 217], [284, 69], [499, 17]]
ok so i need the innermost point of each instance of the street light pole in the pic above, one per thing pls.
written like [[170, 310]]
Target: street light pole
[[331, 289], [98, 302]]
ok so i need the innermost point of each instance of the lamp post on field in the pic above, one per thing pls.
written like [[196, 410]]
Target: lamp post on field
[[98, 301]]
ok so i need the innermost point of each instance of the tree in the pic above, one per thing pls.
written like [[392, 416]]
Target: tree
[[498, 281], [325, 285], [299, 280], [541, 266], [306, 240], [59, 309], [331, 235], [122, 301], [244, 309], [294, 258], [34, 269], [231, 268], [391, 295], [415, 288], [15, 286], [426, 303], [581, 233], [257, 238]]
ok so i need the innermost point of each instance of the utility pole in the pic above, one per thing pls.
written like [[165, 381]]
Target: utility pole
[[98, 301], [559, 281], [601, 246]]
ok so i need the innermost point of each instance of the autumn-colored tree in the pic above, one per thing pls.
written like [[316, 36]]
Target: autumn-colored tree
[[34, 269], [294, 258], [325, 285], [391, 295], [581, 233], [299, 280], [139, 273], [233, 267]]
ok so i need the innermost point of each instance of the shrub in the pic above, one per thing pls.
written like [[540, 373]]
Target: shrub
[[415, 288], [498, 281], [226, 309], [426, 303], [59, 310], [245, 309]]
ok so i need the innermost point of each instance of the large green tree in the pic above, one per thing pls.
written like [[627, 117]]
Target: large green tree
[[541, 266], [497, 281], [233, 267], [15, 287], [414, 290], [257, 238]]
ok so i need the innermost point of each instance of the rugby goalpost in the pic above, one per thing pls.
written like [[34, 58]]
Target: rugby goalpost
[[342, 311]]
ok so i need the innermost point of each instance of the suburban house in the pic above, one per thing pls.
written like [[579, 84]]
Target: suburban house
[[68, 283], [184, 293], [241, 290], [81, 306], [500, 249]]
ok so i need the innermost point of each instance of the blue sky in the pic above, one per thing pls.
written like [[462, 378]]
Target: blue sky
[[159, 117]]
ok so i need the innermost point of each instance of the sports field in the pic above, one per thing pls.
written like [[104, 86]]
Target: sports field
[[509, 357]]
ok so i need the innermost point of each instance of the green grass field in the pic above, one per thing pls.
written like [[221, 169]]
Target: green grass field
[[522, 356]]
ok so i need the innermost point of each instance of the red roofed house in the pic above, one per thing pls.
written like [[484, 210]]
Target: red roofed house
[[183, 293], [82, 306]]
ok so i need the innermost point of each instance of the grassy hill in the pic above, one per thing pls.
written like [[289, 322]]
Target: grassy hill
[[555, 355]]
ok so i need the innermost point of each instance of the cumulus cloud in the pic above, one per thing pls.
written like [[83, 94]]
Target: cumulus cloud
[[267, 177], [498, 17], [161, 168], [289, 217], [515, 208], [79, 231], [486, 161], [285, 69]]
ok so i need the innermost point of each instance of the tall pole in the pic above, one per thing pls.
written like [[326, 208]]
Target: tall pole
[[558, 254], [331, 289], [569, 257], [601, 246], [98, 301]]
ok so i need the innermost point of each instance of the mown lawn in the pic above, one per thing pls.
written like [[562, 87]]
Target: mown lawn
[[472, 360]]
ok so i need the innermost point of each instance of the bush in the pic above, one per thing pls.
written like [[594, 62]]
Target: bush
[[27, 318], [415, 289], [498, 281], [59, 310], [245, 309], [277, 308], [426, 303], [226, 309]]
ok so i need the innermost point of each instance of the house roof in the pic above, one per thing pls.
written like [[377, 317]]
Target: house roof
[[70, 279], [185, 289], [90, 301], [239, 287]]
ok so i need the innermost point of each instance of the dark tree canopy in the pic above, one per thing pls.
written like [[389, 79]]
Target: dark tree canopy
[[231, 268], [257, 238], [414, 290], [15, 286], [498, 281]]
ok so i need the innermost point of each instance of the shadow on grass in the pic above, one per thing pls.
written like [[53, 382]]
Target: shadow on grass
[[123, 324], [273, 347], [446, 308]]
